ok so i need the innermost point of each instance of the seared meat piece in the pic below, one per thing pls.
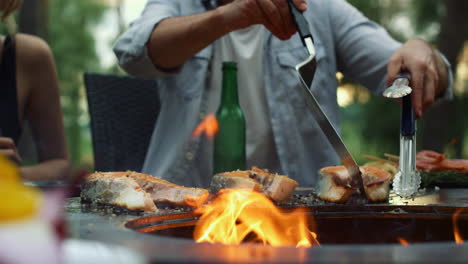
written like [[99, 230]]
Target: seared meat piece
[[118, 189], [334, 184], [235, 180], [106, 187], [427, 160], [277, 187], [376, 183]]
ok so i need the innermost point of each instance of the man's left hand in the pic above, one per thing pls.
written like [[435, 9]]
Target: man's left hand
[[428, 72]]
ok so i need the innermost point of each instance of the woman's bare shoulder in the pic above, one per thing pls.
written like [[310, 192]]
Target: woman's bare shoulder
[[32, 51]]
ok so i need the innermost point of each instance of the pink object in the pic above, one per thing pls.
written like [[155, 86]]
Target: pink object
[[39, 238], [29, 241]]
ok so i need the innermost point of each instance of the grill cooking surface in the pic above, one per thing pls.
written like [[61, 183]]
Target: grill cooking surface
[[107, 224]]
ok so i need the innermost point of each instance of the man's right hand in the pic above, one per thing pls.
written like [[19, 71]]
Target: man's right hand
[[8, 149], [273, 14], [176, 39]]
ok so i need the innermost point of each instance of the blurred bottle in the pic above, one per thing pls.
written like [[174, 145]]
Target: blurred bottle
[[229, 144]]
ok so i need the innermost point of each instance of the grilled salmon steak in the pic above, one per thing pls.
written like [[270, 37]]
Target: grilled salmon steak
[[278, 187], [334, 184], [164, 191], [138, 191], [116, 188]]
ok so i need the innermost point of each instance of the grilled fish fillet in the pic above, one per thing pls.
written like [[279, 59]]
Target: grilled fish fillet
[[334, 184], [155, 189], [117, 189], [164, 191], [277, 187], [235, 180], [376, 183]]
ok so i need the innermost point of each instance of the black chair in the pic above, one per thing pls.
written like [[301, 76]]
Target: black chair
[[123, 112]]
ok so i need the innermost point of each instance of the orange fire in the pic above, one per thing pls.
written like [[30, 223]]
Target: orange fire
[[403, 241], [239, 215], [456, 232], [209, 127]]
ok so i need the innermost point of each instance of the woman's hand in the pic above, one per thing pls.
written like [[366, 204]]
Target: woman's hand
[[8, 149]]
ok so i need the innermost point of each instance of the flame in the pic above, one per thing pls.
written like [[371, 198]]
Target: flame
[[239, 215], [453, 141], [403, 241], [209, 126], [456, 232]]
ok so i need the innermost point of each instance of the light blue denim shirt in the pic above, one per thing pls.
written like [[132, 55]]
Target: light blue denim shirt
[[345, 41]]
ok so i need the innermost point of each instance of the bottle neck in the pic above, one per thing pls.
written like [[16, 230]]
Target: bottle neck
[[229, 94]]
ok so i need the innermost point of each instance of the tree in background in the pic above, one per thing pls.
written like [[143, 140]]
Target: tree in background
[[71, 38], [375, 124], [445, 121], [33, 18], [67, 25], [384, 13], [372, 127]]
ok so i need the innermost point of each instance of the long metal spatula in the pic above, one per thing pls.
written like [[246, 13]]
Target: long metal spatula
[[306, 71]]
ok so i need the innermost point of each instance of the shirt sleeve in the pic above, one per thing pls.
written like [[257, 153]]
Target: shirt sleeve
[[363, 48], [130, 48], [448, 94]]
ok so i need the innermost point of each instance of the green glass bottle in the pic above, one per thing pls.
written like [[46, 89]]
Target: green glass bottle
[[229, 143]]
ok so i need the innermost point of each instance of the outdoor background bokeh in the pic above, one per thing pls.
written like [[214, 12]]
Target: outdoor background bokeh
[[81, 34]]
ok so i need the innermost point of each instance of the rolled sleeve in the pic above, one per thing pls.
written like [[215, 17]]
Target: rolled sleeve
[[363, 47], [130, 48], [448, 94]]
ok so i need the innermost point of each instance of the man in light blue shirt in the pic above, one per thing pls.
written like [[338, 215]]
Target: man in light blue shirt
[[176, 42]]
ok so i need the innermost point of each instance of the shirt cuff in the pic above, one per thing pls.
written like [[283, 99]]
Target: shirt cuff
[[132, 51], [448, 94]]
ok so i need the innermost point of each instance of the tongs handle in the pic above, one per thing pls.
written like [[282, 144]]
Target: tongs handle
[[408, 120], [403, 74], [300, 21]]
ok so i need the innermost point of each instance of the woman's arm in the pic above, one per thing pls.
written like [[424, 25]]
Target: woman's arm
[[42, 108]]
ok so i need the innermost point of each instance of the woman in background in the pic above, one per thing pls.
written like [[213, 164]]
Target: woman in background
[[29, 91]]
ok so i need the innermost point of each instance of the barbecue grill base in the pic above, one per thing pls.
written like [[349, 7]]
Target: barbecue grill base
[[111, 228], [342, 224]]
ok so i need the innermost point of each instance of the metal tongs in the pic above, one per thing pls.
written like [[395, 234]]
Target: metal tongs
[[407, 180], [400, 87], [306, 70]]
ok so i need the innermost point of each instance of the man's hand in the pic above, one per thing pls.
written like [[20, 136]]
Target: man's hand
[[176, 39], [428, 72], [273, 14], [8, 149]]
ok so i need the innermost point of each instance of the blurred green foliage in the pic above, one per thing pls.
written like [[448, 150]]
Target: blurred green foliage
[[382, 12], [425, 14], [72, 40], [373, 128], [370, 128]]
